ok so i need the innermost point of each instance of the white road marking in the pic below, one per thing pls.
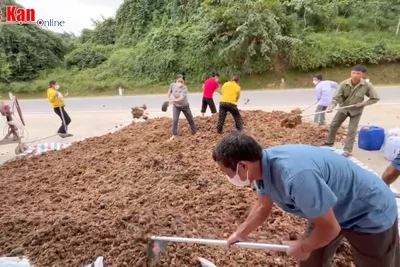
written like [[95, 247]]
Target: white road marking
[[193, 110]]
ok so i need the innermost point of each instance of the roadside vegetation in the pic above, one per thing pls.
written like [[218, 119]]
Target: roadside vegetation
[[148, 43]]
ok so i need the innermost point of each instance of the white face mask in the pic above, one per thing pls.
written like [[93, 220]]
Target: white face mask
[[57, 87], [179, 84], [314, 82], [236, 179]]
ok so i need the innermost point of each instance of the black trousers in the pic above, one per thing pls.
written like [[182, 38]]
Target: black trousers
[[63, 128], [224, 108], [208, 102], [369, 250]]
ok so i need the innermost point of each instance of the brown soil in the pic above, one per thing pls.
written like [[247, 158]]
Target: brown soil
[[292, 119], [297, 111], [105, 195], [138, 112]]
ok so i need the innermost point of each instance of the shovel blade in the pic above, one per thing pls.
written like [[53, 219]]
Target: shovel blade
[[155, 248], [164, 106], [206, 263]]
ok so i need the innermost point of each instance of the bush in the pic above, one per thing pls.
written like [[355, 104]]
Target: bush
[[5, 68], [333, 49], [165, 52], [170, 49], [29, 50], [122, 63], [86, 57]]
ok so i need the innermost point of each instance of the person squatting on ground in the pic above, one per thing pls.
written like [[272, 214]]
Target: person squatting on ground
[[337, 197], [324, 91], [392, 172], [228, 103], [56, 99], [351, 92], [209, 87], [178, 96]]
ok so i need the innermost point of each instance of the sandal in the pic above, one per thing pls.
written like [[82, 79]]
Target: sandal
[[346, 154]]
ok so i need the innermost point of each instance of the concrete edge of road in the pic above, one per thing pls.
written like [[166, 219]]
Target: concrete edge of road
[[193, 109], [200, 93]]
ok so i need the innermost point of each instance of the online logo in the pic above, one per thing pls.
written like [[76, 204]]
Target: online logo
[[18, 15]]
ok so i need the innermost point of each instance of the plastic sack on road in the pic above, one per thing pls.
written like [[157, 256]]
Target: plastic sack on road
[[24, 262], [98, 263], [122, 126], [14, 262], [393, 132], [392, 147], [119, 127], [40, 149], [390, 133]]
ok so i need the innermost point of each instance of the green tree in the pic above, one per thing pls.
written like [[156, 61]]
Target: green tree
[[249, 33], [155, 40], [85, 57], [104, 32], [86, 36], [5, 68], [30, 49]]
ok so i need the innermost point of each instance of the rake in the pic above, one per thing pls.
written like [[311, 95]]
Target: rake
[[159, 243]]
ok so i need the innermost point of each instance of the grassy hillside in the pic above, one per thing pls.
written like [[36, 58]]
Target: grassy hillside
[[148, 43]]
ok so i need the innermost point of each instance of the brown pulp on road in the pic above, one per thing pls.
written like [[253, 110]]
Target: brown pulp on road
[[105, 195]]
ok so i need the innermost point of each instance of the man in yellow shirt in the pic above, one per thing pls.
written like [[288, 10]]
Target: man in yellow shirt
[[228, 103], [56, 99]]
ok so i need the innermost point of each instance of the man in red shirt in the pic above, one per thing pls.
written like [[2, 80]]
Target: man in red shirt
[[209, 87]]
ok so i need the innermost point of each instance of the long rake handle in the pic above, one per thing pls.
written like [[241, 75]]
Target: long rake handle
[[307, 115], [215, 242], [309, 106]]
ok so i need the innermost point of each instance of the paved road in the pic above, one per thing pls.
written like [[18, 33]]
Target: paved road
[[258, 99]]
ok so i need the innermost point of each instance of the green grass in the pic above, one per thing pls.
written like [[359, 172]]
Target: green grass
[[85, 83]]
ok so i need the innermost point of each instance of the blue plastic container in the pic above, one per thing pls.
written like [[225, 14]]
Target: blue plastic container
[[371, 138]]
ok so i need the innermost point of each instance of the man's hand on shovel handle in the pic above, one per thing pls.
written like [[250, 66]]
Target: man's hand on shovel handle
[[234, 238], [296, 250]]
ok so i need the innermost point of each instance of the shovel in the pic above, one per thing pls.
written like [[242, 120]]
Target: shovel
[[308, 115], [164, 106], [159, 243], [206, 263]]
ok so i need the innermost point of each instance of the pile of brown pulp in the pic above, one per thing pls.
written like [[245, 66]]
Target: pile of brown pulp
[[105, 195]]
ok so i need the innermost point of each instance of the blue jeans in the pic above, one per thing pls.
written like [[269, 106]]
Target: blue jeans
[[320, 118]]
